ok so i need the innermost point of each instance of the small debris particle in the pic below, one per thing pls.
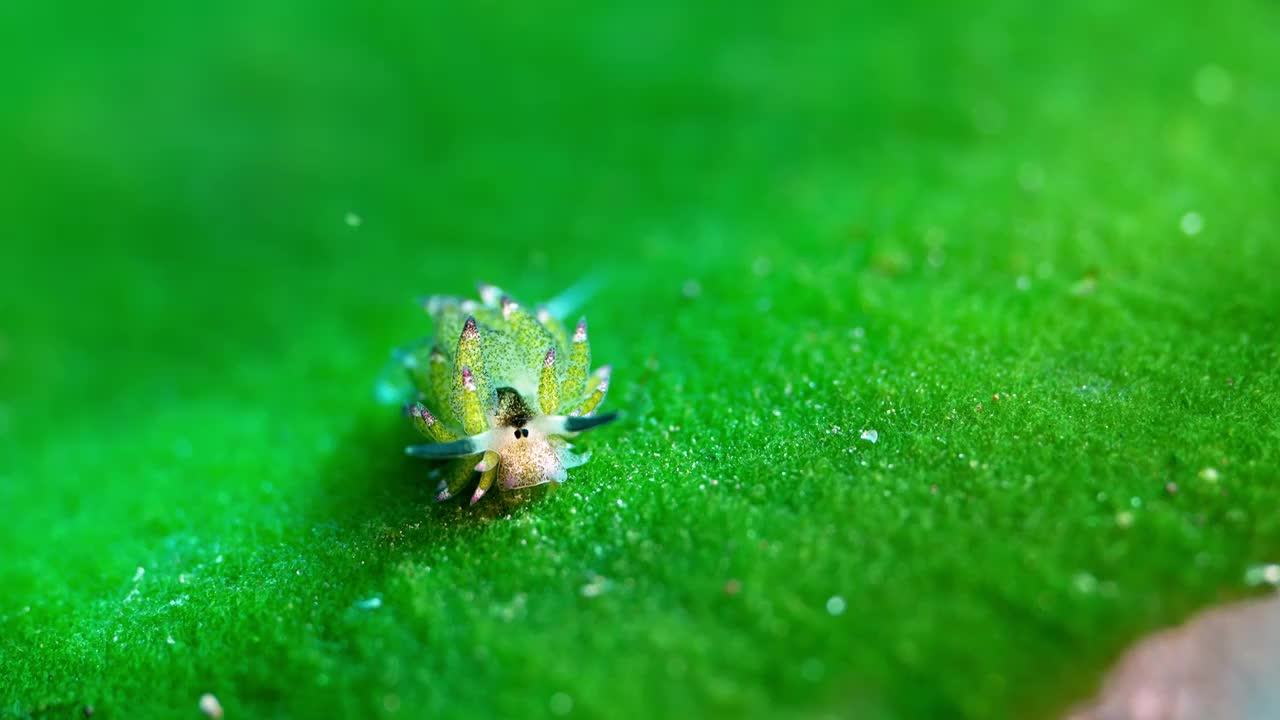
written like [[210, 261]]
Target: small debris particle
[[352, 220], [1209, 474], [372, 603], [595, 588], [691, 288], [1085, 583], [1023, 283], [1171, 488], [1191, 223], [870, 436], [1124, 518], [210, 706], [621, 503], [1087, 285], [87, 711], [560, 704], [1268, 574], [732, 587], [137, 574], [834, 430], [835, 606]]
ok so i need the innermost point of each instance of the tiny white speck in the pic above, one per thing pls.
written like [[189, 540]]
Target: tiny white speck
[[561, 704], [352, 220], [777, 413], [1191, 223], [372, 603], [835, 605], [210, 706], [137, 574], [170, 640], [870, 436], [218, 559], [595, 588], [1268, 574], [1124, 518], [621, 504], [1085, 583], [1209, 474]]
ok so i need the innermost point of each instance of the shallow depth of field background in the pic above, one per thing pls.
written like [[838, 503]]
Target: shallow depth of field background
[[1034, 248]]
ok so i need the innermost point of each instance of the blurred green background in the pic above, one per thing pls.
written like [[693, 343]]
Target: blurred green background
[[1033, 247]]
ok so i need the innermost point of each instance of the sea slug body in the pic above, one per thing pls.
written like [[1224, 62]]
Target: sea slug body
[[501, 390]]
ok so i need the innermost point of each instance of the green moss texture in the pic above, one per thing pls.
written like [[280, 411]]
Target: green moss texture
[[1033, 247]]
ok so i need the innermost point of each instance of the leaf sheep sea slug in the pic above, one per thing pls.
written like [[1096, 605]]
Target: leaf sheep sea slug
[[501, 390]]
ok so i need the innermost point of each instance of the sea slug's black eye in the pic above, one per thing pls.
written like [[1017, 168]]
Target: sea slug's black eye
[[517, 433]]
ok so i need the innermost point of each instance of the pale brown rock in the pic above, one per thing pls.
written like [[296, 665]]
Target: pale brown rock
[[1223, 664]]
